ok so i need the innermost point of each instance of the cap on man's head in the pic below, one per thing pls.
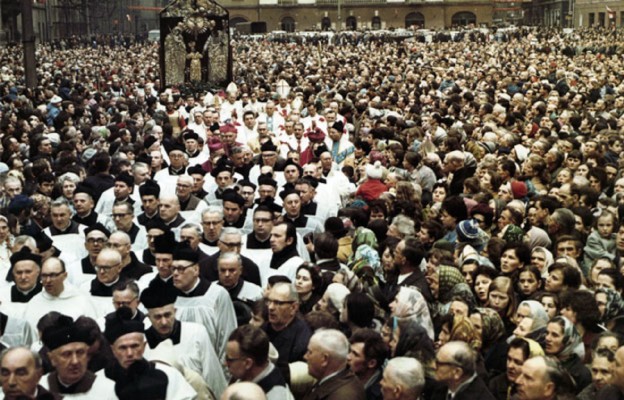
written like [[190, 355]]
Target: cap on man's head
[[158, 296], [165, 243], [232, 196], [125, 178], [20, 202], [97, 227], [121, 324], [25, 254], [63, 332], [149, 188], [186, 253]]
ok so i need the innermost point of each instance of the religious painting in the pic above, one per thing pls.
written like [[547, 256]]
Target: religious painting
[[195, 45]]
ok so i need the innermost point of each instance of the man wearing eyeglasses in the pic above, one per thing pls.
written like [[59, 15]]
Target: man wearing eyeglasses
[[288, 333], [191, 342], [123, 218], [56, 296], [201, 301], [83, 270], [455, 365], [108, 267], [131, 267], [230, 240], [212, 224], [188, 201]]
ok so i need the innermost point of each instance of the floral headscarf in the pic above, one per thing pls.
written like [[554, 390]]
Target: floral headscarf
[[464, 331], [513, 233], [410, 303], [448, 277], [614, 306], [493, 327], [571, 338]]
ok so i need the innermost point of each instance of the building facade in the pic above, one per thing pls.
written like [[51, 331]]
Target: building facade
[[604, 13], [303, 15]]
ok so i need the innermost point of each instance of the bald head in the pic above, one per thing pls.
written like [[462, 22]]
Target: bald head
[[243, 391]]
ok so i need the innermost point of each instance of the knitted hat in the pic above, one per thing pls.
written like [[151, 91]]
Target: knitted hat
[[519, 189], [467, 230], [374, 171]]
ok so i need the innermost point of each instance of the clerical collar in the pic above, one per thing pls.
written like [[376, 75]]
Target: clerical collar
[[110, 284], [193, 288], [66, 227], [26, 293], [84, 216]]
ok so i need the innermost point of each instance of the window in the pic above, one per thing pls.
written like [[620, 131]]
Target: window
[[463, 18], [415, 19]]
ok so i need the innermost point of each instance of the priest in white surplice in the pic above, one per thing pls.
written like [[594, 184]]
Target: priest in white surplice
[[285, 259], [202, 301], [57, 295], [190, 340], [108, 267], [26, 271]]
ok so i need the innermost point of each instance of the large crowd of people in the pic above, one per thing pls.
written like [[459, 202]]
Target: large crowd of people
[[354, 218]]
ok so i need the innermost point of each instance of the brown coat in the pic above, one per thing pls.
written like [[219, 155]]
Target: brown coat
[[344, 386]]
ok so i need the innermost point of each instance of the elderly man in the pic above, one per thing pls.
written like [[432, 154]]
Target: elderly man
[[68, 351], [230, 268], [327, 363], [247, 359], [288, 333], [123, 218], [26, 270], [455, 164], [62, 223], [199, 300], [190, 340], [456, 372], [154, 381], [20, 372], [543, 379], [83, 270], [616, 389], [191, 233], [212, 223], [108, 267], [131, 267], [56, 296], [229, 241], [169, 211], [403, 379], [188, 201]]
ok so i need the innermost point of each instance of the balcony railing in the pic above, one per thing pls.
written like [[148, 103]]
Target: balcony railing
[[349, 2]]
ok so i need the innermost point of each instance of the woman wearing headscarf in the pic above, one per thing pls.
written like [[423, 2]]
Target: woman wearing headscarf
[[333, 299], [441, 282], [610, 304], [531, 320], [537, 237], [493, 343], [410, 339], [542, 258], [562, 342], [409, 303]]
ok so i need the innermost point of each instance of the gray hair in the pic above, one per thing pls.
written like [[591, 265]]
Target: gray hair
[[230, 230], [404, 225], [231, 256], [25, 241], [292, 292], [565, 218], [127, 285], [59, 203], [196, 228], [213, 210], [408, 372], [464, 356], [69, 176], [34, 354], [334, 342]]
